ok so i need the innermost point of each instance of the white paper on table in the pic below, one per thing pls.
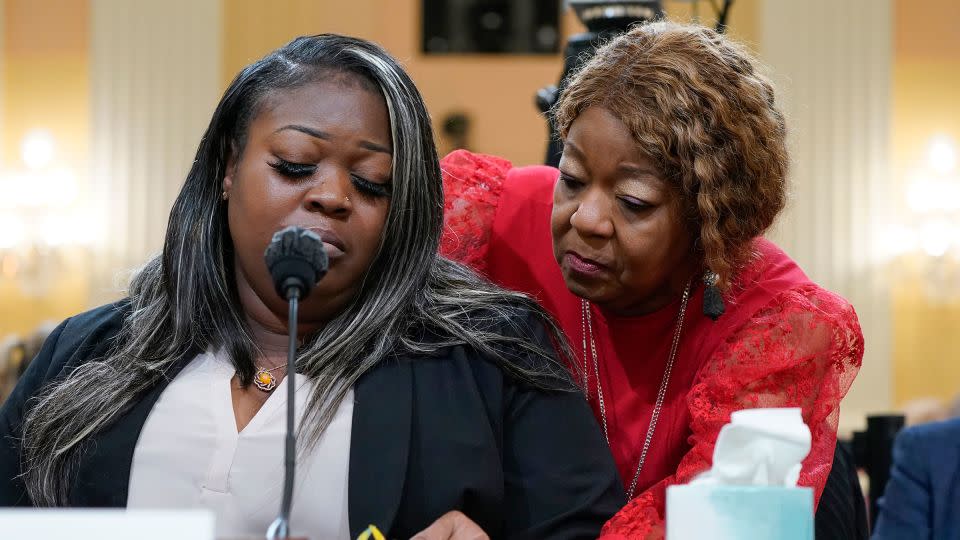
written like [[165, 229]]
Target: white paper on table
[[107, 524]]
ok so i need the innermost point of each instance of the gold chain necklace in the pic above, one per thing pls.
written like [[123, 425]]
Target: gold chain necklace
[[264, 378], [586, 323]]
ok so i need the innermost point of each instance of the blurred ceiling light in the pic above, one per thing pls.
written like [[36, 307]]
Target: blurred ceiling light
[[40, 221], [899, 240], [12, 232], [67, 229], [926, 194], [927, 242], [942, 156], [37, 149], [936, 238]]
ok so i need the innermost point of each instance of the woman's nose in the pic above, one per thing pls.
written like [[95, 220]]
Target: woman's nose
[[592, 216], [330, 194]]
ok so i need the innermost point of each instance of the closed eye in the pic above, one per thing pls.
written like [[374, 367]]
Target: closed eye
[[370, 188], [570, 182], [293, 170], [634, 204], [297, 171]]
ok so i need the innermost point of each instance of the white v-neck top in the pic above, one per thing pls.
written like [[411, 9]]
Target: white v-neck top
[[190, 455]]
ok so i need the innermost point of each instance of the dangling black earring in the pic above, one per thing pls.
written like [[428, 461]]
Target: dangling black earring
[[712, 299]]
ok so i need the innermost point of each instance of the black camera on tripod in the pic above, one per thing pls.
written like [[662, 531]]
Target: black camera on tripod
[[604, 19]]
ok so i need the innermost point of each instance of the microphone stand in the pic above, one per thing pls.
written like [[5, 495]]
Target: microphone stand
[[280, 528], [297, 261]]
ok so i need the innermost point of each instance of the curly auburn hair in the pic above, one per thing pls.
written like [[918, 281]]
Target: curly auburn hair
[[699, 106]]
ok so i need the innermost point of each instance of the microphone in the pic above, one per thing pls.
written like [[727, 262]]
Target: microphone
[[296, 261]]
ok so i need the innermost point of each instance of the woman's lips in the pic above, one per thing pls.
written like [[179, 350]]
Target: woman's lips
[[332, 243], [333, 251], [583, 265]]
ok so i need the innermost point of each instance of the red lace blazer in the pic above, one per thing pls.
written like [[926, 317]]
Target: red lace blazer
[[783, 341]]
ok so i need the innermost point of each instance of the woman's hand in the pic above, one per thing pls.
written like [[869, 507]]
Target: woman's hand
[[452, 526]]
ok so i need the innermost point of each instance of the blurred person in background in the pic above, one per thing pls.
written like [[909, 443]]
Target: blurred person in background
[[646, 246], [12, 359], [16, 354], [423, 388], [930, 409], [953, 409], [922, 497]]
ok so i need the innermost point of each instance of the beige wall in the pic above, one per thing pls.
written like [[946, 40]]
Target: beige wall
[[926, 102], [495, 91], [45, 85]]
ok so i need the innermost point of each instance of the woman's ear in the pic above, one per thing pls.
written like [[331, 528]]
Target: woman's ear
[[228, 174]]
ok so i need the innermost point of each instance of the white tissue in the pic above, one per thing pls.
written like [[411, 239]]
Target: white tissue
[[759, 447]]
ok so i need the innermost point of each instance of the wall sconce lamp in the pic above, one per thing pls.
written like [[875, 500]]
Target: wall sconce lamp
[[40, 218], [928, 240]]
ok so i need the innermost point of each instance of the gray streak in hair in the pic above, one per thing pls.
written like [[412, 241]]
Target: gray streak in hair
[[184, 301]]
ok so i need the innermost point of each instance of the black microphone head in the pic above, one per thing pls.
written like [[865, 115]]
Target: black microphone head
[[296, 260]]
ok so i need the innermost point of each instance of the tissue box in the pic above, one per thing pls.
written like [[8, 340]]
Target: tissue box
[[724, 512]]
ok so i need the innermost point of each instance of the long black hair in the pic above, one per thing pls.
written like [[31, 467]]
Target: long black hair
[[185, 300]]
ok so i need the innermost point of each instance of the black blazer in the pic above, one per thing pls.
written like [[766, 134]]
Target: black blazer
[[430, 434]]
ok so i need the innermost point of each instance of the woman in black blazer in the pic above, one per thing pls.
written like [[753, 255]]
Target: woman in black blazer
[[456, 398]]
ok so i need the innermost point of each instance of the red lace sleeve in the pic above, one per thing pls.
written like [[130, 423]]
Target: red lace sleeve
[[472, 184], [802, 350]]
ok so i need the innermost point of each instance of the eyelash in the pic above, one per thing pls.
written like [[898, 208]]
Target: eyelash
[[573, 184], [293, 170], [299, 171], [372, 189], [569, 182], [632, 206]]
